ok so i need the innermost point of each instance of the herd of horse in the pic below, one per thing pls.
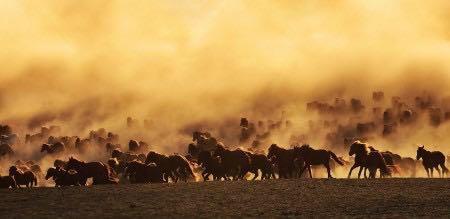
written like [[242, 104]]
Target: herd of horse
[[223, 164]]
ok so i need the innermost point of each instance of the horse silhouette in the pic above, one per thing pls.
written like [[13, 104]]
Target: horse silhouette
[[260, 162], [212, 166], [236, 162], [63, 177], [361, 153], [26, 178], [284, 160], [175, 166], [139, 172], [95, 170], [312, 156], [7, 182], [432, 159]]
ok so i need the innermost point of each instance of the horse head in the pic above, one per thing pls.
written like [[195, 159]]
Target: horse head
[[220, 149], [51, 172], [73, 164], [151, 157], [357, 147], [13, 170], [420, 152], [45, 147], [273, 151]]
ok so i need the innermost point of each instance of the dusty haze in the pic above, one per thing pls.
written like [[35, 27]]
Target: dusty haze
[[204, 64]]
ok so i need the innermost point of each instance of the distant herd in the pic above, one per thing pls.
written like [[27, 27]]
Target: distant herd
[[210, 159]]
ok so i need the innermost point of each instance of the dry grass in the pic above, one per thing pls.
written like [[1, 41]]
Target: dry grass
[[274, 198]]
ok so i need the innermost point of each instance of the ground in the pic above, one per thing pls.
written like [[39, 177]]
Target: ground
[[273, 198]]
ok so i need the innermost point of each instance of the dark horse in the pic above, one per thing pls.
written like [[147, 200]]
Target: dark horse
[[361, 153], [63, 177], [212, 166], [284, 159], [260, 162], [432, 159], [312, 156], [26, 178], [97, 170], [143, 173], [235, 162], [174, 166], [7, 181], [367, 160]]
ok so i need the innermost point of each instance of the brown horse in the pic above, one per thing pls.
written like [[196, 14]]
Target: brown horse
[[144, 173], [96, 170], [7, 182], [312, 156], [432, 159], [181, 167], [53, 148], [126, 156], [260, 162], [63, 177], [174, 166], [212, 166], [375, 160], [361, 152], [236, 163], [23, 178], [284, 159]]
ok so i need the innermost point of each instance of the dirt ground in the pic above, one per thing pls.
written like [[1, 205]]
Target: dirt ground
[[273, 198]]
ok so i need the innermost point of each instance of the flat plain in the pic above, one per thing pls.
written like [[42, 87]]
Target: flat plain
[[270, 198]]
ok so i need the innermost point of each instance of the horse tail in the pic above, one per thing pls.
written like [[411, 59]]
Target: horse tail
[[335, 158], [444, 169]]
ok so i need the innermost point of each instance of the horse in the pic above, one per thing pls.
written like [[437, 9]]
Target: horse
[[212, 166], [204, 141], [181, 167], [163, 162], [312, 156], [126, 156], [361, 153], [5, 150], [63, 177], [53, 148], [375, 161], [26, 178], [96, 170], [7, 182], [236, 163], [174, 166], [432, 159], [260, 162], [144, 173], [284, 160]]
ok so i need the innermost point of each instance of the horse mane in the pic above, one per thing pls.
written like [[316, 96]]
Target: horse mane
[[360, 145]]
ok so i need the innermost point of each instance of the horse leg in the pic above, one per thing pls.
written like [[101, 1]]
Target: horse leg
[[438, 170], [327, 165], [431, 172], [256, 174], [302, 170], [360, 171], [350, 172], [310, 172], [206, 177], [365, 170]]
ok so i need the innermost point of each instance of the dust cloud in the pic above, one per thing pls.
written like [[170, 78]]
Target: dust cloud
[[187, 65]]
